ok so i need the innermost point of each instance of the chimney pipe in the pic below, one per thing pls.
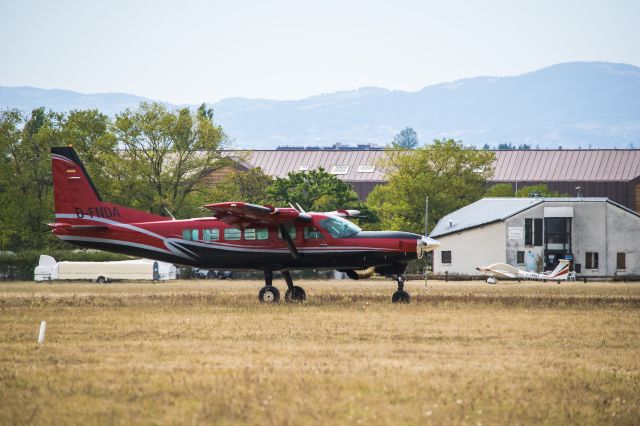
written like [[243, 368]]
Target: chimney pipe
[[579, 190]]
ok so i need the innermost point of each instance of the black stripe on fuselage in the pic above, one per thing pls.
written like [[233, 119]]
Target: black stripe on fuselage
[[211, 257]]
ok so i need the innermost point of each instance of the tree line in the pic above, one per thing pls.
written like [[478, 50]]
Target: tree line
[[155, 159]]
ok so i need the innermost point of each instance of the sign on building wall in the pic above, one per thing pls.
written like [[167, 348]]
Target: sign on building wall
[[515, 233]]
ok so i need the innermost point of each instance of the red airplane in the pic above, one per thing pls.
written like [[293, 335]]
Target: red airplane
[[238, 236]]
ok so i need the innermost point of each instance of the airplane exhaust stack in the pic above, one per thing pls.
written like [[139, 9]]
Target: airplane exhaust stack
[[361, 274]]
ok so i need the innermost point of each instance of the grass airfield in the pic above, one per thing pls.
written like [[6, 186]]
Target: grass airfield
[[194, 352]]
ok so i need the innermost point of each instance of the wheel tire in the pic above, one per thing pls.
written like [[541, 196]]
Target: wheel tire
[[211, 275], [101, 280], [400, 296], [269, 294], [295, 295]]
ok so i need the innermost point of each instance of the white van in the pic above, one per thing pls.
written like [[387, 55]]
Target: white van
[[142, 269]]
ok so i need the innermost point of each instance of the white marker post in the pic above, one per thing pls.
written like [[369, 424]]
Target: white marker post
[[43, 327]]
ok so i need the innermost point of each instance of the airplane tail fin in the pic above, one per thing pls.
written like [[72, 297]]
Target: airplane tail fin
[[76, 197], [562, 270]]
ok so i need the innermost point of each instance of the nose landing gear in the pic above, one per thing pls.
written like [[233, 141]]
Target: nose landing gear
[[400, 296]]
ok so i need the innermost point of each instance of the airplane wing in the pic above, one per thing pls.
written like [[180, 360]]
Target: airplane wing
[[246, 213], [504, 273]]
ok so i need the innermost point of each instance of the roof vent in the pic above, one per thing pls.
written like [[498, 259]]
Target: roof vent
[[579, 190], [450, 223]]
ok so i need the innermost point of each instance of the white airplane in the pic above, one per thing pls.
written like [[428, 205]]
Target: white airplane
[[502, 270]]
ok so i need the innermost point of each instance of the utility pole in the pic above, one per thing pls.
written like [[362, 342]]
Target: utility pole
[[426, 233]]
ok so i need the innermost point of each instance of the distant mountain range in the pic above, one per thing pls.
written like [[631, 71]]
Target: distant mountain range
[[574, 104]]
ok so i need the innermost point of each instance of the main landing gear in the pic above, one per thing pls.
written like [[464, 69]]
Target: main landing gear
[[270, 294], [400, 296]]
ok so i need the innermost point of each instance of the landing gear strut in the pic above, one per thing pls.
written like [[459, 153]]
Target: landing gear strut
[[269, 293], [294, 294], [400, 296]]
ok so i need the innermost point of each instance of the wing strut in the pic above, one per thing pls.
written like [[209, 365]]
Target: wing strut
[[287, 238]]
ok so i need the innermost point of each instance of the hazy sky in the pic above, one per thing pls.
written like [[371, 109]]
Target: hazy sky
[[194, 51]]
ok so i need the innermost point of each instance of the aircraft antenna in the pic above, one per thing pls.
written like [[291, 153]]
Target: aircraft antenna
[[293, 207], [169, 213]]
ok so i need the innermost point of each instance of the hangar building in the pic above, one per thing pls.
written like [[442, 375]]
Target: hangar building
[[611, 173], [599, 236]]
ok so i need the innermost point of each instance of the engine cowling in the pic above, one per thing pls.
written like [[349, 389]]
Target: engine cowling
[[359, 274]]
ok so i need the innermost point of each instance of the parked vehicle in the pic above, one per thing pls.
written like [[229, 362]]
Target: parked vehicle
[[211, 274], [101, 272]]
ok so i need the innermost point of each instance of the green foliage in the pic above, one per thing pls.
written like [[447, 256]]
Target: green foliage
[[314, 190], [500, 190], [163, 156], [406, 139], [250, 186], [450, 174], [20, 266], [507, 190]]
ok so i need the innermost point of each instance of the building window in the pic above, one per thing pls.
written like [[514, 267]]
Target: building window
[[520, 258], [591, 261], [339, 170], [262, 233], [533, 232], [232, 234], [312, 233], [365, 168], [621, 261], [211, 234], [537, 232], [446, 257]]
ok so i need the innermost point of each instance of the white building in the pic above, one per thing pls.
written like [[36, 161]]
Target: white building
[[599, 236]]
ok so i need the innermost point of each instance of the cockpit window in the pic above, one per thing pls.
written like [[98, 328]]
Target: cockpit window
[[338, 227]]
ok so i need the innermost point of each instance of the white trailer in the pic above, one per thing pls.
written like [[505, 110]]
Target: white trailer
[[142, 269]]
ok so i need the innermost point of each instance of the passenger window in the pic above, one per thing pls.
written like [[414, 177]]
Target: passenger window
[[211, 234], [232, 234], [194, 234], [263, 234], [250, 233], [186, 234], [312, 233], [290, 230]]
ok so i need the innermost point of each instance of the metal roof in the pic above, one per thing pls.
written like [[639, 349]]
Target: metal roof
[[567, 165], [510, 165], [484, 211], [489, 210], [279, 163]]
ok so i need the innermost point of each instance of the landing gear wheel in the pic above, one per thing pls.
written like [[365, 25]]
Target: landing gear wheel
[[400, 296], [295, 295], [101, 280], [269, 294]]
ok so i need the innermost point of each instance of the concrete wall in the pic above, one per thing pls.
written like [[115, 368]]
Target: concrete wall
[[514, 245], [623, 229], [474, 247], [599, 227]]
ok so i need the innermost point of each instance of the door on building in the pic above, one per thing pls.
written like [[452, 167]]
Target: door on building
[[557, 241]]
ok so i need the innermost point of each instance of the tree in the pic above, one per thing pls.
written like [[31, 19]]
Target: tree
[[164, 155], [500, 190], [250, 186], [26, 199], [507, 190], [450, 174], [314, 190], [406, 139]]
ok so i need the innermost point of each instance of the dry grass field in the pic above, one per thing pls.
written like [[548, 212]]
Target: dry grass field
[[208, 352]]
